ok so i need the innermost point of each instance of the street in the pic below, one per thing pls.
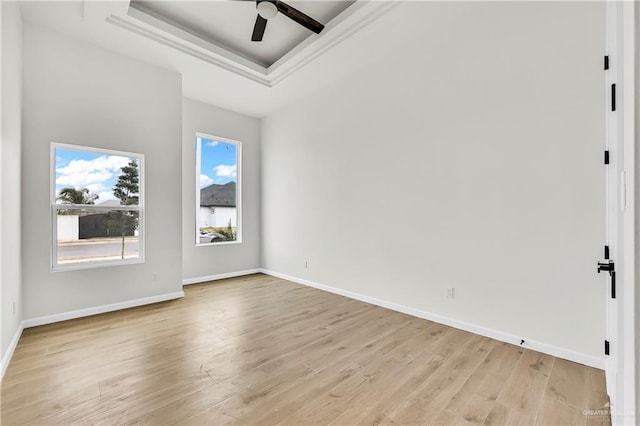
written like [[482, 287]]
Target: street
[[97, 249]]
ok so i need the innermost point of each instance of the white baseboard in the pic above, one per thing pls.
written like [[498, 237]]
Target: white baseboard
[[197, 280], [33, 322], [483, 331], [12, 347]]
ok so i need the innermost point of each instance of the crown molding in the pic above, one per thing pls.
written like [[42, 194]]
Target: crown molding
[[353, 19], [361, 14], [208, 54]]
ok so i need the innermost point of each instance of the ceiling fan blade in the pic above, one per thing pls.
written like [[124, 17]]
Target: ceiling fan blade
[[302, 19], [258, 28]]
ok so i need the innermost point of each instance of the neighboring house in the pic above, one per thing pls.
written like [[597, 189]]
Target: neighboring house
[[110, 203], [218, 205]]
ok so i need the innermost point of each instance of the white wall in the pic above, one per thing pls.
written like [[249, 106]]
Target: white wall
[[77, 93], [206, 261], [487, 129], [10, 278], [635, 241]]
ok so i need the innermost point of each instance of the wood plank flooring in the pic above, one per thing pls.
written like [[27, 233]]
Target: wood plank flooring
[[263, 351]]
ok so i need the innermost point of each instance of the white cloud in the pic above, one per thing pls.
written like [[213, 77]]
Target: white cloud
[[105, 196], [212, 143], [226, 171], [97, 187], [90, 174], [82, 180], [103, 191], [205, 180]]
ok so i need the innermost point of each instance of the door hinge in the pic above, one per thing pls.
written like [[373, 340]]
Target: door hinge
[[609, 267], [606, 62], [606, 347], [613, 97], [606, 157], [606, 252]]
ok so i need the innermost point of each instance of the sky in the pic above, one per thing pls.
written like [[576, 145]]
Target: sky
[[83, 169], [218, 162], [99, 172]]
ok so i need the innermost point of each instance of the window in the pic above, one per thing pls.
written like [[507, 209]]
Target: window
[[218, 212], [97, 205]]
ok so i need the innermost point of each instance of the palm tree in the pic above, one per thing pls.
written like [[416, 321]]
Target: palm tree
[[71, 195]]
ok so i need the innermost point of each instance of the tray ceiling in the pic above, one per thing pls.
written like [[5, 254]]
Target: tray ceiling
[[228, 24]]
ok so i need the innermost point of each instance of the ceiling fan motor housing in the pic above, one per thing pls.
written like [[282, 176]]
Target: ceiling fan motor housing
[[269, 8], [266, 8]]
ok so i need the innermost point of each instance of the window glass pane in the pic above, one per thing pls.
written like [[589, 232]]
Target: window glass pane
[[97, 206], [86, 177], [218, 209], [89, 235]]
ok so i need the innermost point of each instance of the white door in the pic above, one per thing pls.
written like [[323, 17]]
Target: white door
[[612, 267]]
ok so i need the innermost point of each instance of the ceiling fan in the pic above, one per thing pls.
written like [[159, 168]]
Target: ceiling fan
[[269, 8]]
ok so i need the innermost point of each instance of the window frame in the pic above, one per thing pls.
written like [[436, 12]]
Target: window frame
[[198, 145], [55, 207]]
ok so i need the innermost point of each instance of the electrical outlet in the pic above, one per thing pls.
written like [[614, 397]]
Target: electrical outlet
[[14, 308], [155, 277], [450, 292], [306, 264]]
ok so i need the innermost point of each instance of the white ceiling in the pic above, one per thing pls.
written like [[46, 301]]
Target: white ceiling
[[229, 24], [219, 72]]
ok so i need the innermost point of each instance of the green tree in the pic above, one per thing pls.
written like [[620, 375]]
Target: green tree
[[71, 195], [127, 190], [128, 185]]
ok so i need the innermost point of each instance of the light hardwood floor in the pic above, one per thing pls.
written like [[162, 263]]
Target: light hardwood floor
[[260, 350]]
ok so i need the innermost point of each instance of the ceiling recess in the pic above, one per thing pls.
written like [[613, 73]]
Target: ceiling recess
[[228, 24]]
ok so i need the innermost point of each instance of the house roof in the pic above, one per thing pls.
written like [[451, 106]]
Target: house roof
[[218, 195], [110, 203]]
